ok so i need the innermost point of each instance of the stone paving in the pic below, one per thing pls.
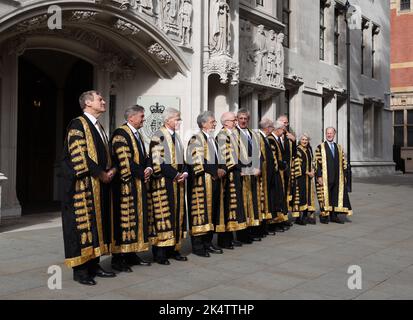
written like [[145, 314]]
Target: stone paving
[[307, 262]]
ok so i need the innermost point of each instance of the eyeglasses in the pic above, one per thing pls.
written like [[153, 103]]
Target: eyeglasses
[[235, 120]]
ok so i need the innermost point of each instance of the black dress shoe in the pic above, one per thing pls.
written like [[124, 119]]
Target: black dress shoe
[[164, 262], [311, 221], [288, 224], [121, 266], [178, 257], [236, 243], [256, 239], [202, 254], [272, 233], [100, 272], [85, 280], [280, 228], [135, 260], [247, 241], [336, 220], [324, 220], [214, 249], [229, 247], [346, 219], [300, 221]]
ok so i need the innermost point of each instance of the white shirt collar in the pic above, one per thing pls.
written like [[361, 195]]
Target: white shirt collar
[[170, 131], [207, 134], [263, 133], [91, 118], [132, 128]]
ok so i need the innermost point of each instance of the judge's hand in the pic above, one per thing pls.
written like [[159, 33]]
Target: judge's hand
[[105, 177], [290, 136], [221, 173], [320, 181], [147, 173], [257, 172], [181, 177], [310, 174]]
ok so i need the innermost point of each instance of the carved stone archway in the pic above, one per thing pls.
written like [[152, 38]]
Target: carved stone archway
[[115, 39]]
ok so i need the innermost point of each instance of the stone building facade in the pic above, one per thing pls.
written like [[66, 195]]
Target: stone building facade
[[402, 79], [270, 56]]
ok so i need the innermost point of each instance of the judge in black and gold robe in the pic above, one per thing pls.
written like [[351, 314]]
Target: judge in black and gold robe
[[130, 216], [268, 177], [86, 200], [332, 193], [288, 147], [250, 162], [303, 183], [280, 215], [205, 186], [235, 219], [167, 218]]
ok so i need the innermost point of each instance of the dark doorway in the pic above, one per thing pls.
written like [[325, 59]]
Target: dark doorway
[[50, 83]]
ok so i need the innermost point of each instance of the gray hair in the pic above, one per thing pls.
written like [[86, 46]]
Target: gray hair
[[225, 116], [88, 95], [170, 113], [282, 116], [335, 131], [243, 111], [132, 110], [203, 118], [279, 125], [306, 135], [265, 123]]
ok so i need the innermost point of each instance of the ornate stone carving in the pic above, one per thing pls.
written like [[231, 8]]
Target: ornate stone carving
[[32, 23], [126, 28], [185, 22], [137, 5], [225, 67], [83, 16], [160, 53], [263, 62], [219, 27], [168, 12]]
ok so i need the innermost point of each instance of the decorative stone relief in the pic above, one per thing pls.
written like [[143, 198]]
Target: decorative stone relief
[[219, 27], [137, 5], [126, 28], [32, 23], [83, 15], [160, 53], [261, 55], [225, 67], [185, 22]]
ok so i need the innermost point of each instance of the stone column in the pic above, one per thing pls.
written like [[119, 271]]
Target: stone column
[[8, 140], [3, 178]]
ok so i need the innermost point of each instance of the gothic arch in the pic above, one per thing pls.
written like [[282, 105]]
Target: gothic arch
[[100, 33]]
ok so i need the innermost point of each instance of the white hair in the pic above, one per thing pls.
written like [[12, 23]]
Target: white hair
[[265, 123], [170, 113], [279, 125]]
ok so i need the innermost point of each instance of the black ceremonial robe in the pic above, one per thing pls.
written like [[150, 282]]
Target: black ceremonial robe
[[333, 195], [167, 215], [86, 201], [303, 186], [130, 215]]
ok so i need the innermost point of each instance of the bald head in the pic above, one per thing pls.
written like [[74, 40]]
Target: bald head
[[229, 120]]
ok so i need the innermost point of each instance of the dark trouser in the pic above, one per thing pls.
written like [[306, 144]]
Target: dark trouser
[[200, 243], [162, 253], [225, 239], [88, 268], [244, 235]]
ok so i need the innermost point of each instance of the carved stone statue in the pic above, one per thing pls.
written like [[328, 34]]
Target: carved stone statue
[[169, 11], [138, 5], [279, 53], [185, 17], [220, 27], [260, 52], [271, 58]]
